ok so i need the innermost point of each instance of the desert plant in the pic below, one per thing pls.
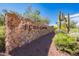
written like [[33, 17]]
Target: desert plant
[[2, 38], [59, 21], [62, 19], [68, 24], [66, 43]]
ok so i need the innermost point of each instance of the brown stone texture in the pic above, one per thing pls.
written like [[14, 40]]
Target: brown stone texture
[[21, 31]]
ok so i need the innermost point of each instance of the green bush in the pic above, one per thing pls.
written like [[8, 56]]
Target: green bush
[[2, 38], [66, 43]]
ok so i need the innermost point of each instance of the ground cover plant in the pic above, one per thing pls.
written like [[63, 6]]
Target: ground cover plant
[[66, 43], [2, 38]]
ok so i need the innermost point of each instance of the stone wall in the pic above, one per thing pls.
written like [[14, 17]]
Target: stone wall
[[20, 30]]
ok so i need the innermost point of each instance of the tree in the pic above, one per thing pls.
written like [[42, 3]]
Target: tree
[[1, 20], [35, 15], [28, 12]]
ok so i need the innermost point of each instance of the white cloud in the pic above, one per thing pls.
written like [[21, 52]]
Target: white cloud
[[75, 18], [74, 15]]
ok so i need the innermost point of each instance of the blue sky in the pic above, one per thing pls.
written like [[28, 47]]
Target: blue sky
[[46, 9]]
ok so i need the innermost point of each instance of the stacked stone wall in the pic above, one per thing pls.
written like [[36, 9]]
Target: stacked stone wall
[[21, 30]]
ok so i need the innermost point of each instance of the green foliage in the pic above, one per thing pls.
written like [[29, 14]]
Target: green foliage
[[66, 43], [2, 38], [73, 30], [1, 20], [43, 20], [35, 15], [72, 24], [55, 28]]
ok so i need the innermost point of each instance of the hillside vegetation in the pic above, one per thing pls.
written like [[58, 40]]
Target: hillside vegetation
[[2, 38]]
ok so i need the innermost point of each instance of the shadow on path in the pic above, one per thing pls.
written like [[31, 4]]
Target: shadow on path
[[38, 47]]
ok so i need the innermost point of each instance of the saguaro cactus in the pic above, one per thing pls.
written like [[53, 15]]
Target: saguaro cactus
[[68, 23], [59, 21], [66, 20]]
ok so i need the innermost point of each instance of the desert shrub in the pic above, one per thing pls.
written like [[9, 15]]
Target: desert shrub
[[2, 38], [2, 44], [75, 35], [66, 43], [55, 27], [72, 30]]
